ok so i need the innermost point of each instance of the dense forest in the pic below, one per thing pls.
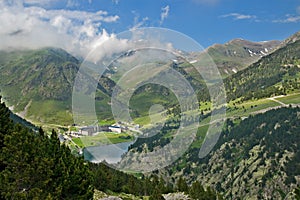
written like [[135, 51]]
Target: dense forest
[[35, 166]]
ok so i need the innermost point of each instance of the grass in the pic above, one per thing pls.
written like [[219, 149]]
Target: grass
[[102, 107], [200, 136], [78, 142], [242, 110], [205, 106], [142, 102], [246, 108], [73, 128], [291, 99], [103, 138], [151, 120], [106, 122], [53, 112], [142, 120]]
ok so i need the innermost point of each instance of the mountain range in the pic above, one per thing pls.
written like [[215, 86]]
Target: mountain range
[[257, 155], [44, 78]]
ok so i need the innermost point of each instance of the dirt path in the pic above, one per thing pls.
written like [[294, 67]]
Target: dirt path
[[277, 101]]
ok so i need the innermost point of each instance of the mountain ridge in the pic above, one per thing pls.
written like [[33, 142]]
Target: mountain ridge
[[237, 54]]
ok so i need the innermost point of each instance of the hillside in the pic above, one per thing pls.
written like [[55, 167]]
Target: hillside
[[43, 74], [32, 165], [274, 74], [38, 84], [37, 79], [238, 54], [293, 38], [256, 158]]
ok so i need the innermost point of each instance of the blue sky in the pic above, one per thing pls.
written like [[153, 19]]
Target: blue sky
[[206, 21]]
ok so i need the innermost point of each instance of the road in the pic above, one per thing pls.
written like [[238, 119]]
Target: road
[[262, 110]]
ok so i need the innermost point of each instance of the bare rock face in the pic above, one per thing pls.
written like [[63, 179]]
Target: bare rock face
[[111, 198], [176, 196]]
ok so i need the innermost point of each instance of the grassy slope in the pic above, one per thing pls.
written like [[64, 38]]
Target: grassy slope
[[38, 85], [103, 138]]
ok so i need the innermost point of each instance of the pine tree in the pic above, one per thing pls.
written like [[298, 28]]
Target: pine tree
[[182, 185], [156, 195], [36, 167], [5, 122], [196, 190]]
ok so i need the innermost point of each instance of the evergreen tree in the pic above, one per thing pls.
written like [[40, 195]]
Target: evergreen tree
[[156, 195], [182, 185], [196, 191], [36, 167], [5, 125], [5, 122]]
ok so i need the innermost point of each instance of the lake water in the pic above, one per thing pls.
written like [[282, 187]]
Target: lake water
[[111, 153]]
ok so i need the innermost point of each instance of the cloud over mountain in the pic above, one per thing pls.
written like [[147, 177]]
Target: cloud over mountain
[[27, 25]]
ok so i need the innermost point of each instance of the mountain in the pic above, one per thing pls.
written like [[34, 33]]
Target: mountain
[[260, 156], [44, 74], [38, 83], [293, 38], [238, 54], [274, 74]]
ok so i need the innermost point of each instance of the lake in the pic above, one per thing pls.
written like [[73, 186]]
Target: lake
[[111, 153]]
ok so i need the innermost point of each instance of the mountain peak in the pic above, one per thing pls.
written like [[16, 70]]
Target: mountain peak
[[292, 38], [239, 53]]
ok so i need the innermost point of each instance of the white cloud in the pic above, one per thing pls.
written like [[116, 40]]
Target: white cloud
[[238, 16], [139, 39], [288, 19], [35, 27], [164, 14]]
